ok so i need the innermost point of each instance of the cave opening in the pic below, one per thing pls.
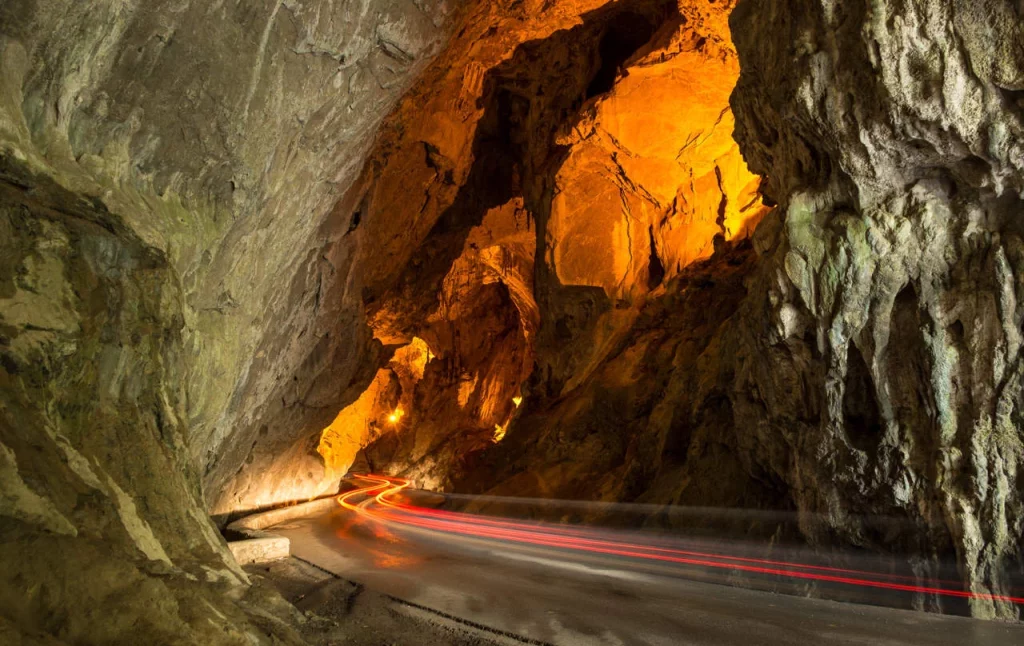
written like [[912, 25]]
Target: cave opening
[[655, 270]]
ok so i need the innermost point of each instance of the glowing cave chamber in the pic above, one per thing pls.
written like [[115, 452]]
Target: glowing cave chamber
[[569, 181]]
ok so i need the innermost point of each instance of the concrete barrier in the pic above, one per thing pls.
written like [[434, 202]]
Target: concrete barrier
[[261, 546]]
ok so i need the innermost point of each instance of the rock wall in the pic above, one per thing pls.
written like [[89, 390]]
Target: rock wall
[[178, 310], [572, 159], [889, 133], [448, 199], [101, 506], [213, 241]]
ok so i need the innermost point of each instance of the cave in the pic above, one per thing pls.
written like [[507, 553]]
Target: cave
[[551, 321]]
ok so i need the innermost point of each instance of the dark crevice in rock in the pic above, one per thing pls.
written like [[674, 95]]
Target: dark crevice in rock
[[655, 269], [357, 217], [909, 373], [864, 426], [627, 33]]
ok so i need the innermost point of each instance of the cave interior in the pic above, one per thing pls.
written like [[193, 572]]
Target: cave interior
[[680, 254]]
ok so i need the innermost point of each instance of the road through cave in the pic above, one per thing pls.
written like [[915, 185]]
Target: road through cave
[[552, 583], [659, 321]]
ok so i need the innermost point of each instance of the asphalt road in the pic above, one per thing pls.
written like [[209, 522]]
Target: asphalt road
[[551, 595]]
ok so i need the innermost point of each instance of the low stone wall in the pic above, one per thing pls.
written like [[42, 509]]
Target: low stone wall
[[261, 546]]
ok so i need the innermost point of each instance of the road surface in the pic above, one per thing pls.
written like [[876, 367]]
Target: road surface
[[568, 586]]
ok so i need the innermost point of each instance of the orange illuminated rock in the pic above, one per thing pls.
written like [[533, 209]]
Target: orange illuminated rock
[[381, 407], [357, 425], [596, 132], [425, 148], [499, 250], [654, 173]]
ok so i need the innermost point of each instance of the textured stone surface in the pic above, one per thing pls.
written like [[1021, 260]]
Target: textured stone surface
[[873, 369], [444, 198], [102, 507], [570, 158], [659, 143], [222, 135], [178, 313], [890, 135], [651, 421]]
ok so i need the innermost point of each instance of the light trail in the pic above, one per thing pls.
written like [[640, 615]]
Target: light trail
[[584, 540]]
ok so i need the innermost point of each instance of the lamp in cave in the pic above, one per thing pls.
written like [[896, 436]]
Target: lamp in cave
[[396, 415], [518, 399]]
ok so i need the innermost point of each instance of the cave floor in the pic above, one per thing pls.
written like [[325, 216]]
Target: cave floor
[[339, 611], [548, 598]]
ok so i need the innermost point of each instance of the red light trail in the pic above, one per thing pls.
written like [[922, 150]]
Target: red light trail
[[584, 541]]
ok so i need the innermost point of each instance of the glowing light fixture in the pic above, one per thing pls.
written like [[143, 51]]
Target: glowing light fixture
[[396, 416], [518, 399]]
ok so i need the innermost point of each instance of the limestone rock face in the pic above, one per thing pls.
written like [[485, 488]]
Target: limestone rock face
[[222, 136], [101, 505], [659, 143], [178, 310], [890, 133], [557, 162]]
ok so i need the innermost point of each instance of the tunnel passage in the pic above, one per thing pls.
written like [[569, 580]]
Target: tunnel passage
[[559, 196], [599, 157]]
